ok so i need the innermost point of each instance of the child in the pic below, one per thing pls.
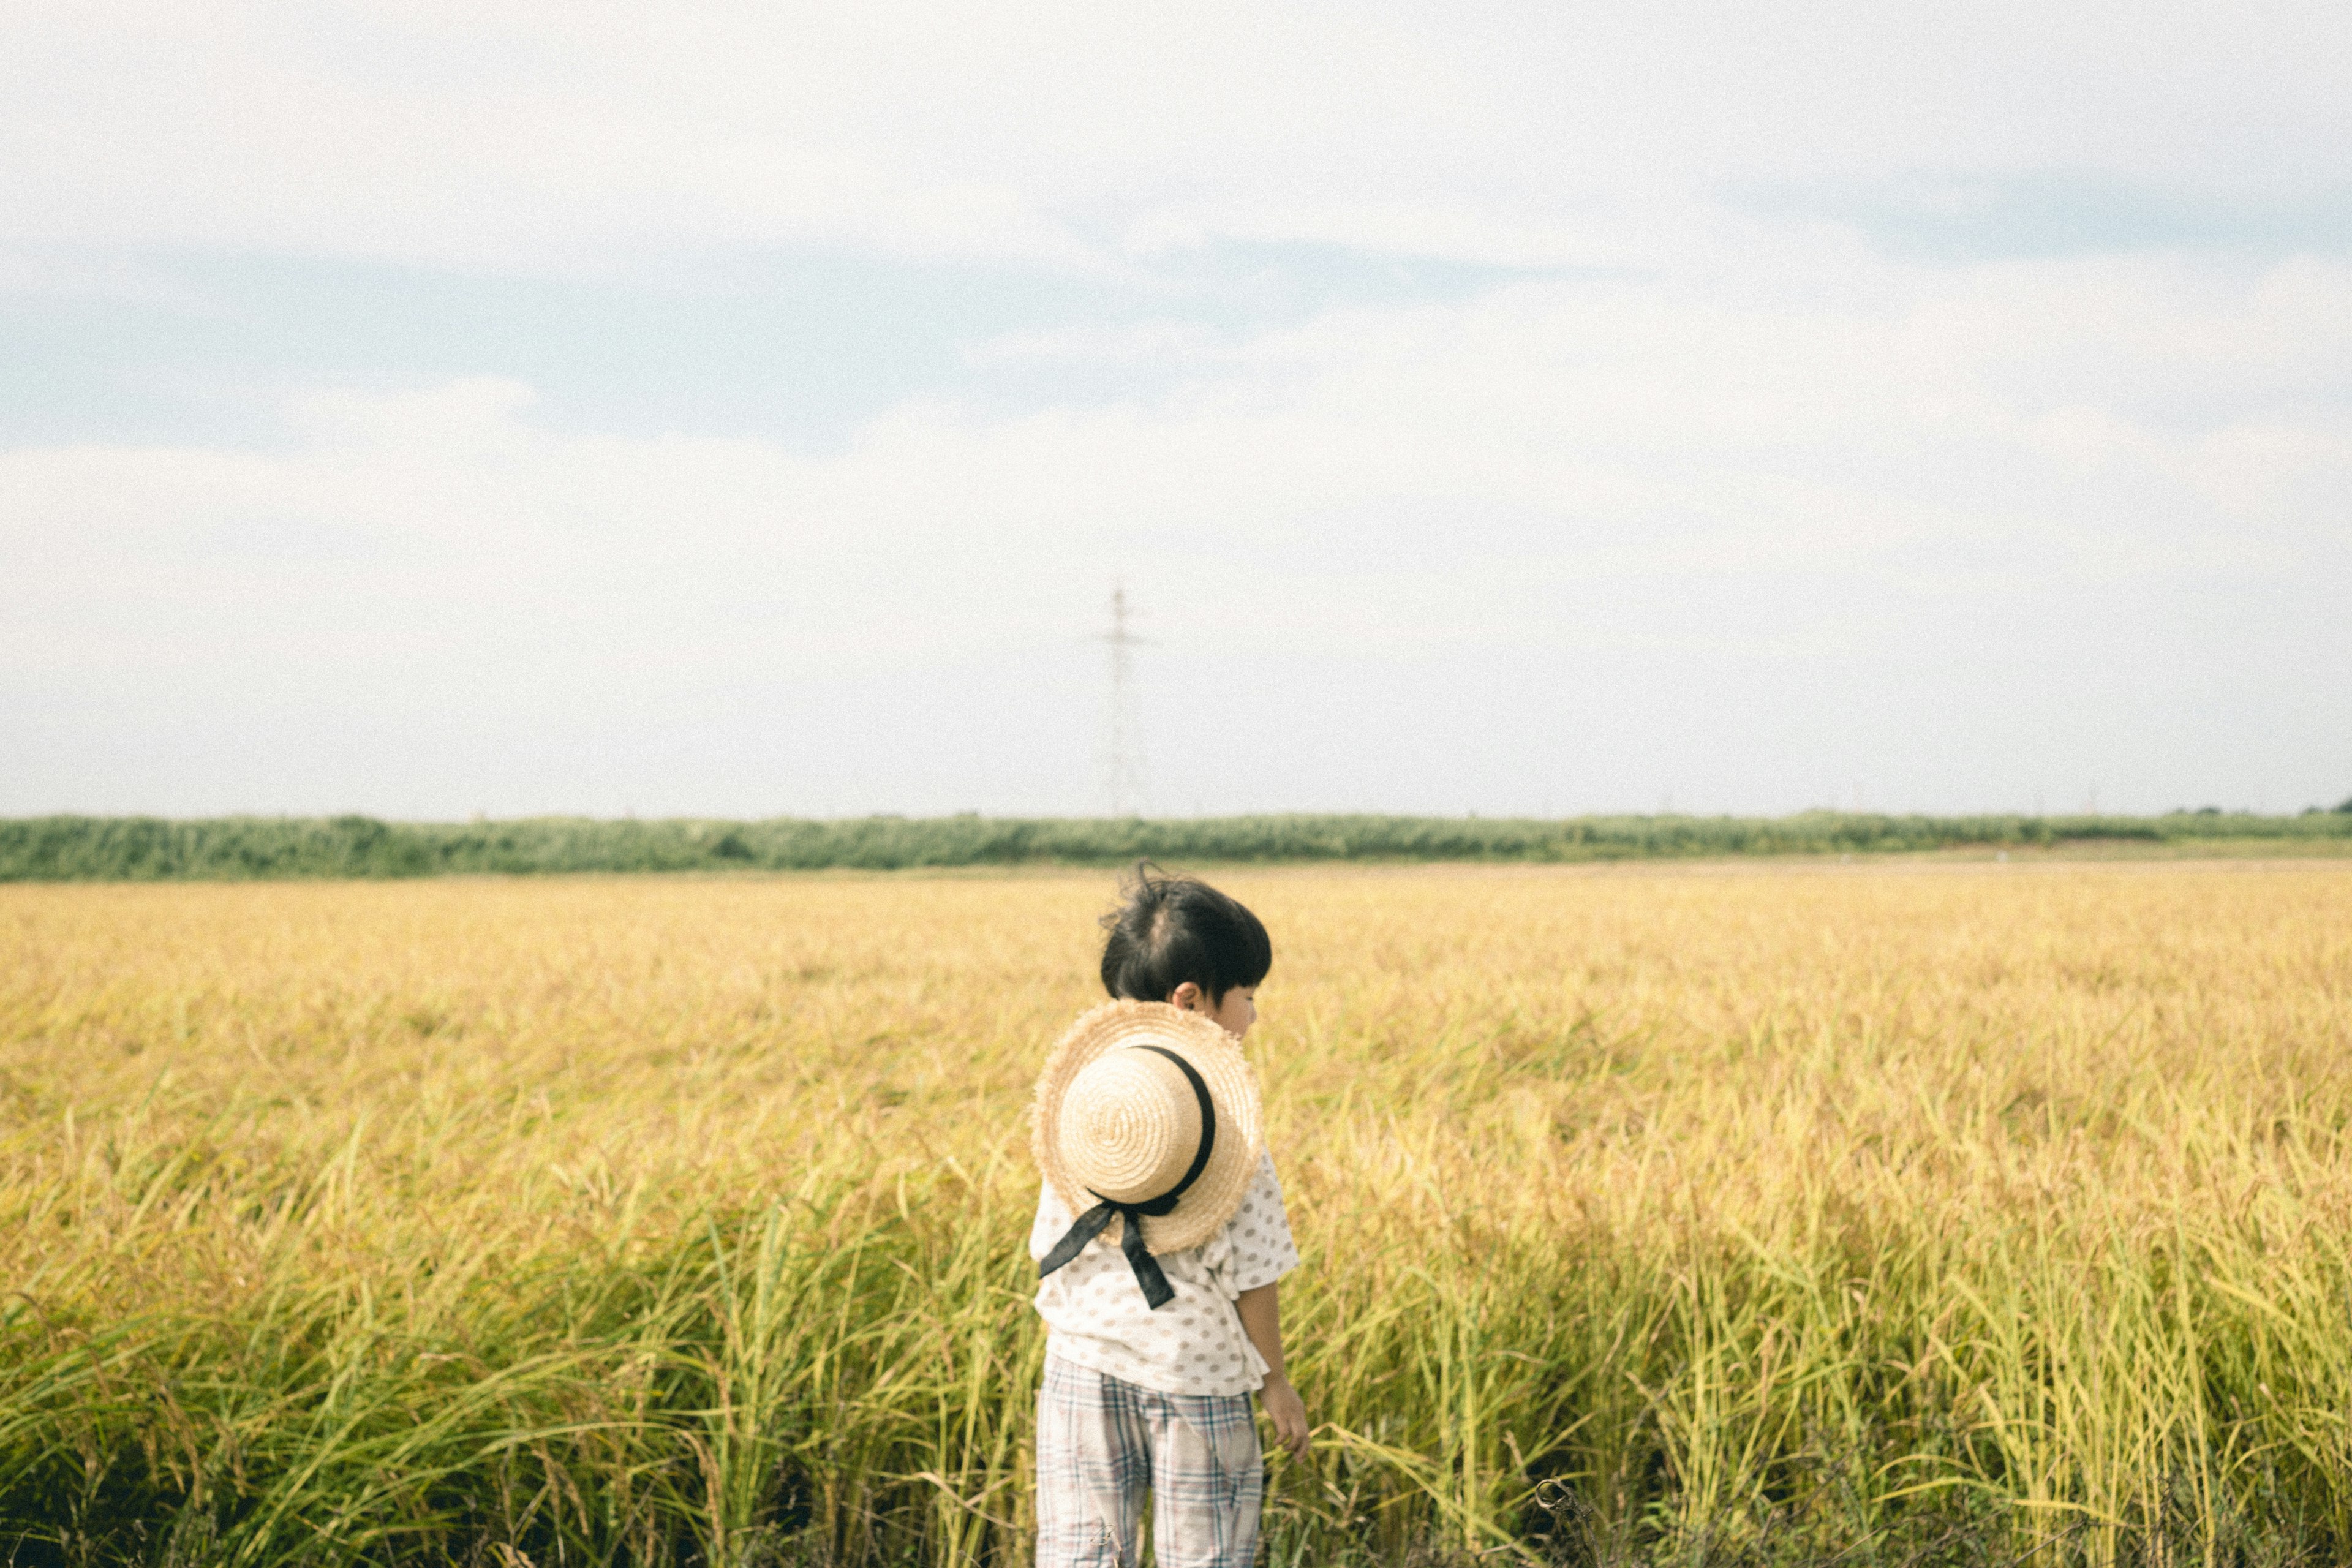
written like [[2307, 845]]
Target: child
[[1149, 1121]]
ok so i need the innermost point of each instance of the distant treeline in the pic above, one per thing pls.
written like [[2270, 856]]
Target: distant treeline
[[144, 849]]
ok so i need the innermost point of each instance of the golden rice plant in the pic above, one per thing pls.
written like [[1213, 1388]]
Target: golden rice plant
[[1913, 1212]]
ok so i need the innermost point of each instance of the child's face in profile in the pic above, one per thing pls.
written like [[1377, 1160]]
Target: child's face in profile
[[1234, 1012]]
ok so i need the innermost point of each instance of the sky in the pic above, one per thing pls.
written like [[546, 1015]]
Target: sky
[[435, 410]]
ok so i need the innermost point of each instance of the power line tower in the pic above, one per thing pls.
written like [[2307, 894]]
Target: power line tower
[[1122, 759]]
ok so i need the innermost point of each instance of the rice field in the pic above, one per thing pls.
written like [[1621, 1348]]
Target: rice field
[[1901, 1213]]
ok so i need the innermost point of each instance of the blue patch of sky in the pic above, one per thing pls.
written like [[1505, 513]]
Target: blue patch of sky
[[800, 349], [2052, 215]]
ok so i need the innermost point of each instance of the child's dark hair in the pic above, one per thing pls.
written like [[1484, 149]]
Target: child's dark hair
[[1168, 930]]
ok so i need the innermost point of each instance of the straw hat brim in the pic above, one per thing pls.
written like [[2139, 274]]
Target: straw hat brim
[[1216, 1195]]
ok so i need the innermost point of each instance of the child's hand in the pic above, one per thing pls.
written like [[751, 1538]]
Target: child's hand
[[1287, 1412]]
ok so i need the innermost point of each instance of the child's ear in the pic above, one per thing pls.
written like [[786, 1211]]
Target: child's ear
[[1188, 996]]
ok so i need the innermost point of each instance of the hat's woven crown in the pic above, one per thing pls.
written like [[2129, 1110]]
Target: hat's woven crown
[[1131, 1125]]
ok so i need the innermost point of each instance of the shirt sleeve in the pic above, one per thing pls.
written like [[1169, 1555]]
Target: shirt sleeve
[[1053, 1223], [1259, 1232]]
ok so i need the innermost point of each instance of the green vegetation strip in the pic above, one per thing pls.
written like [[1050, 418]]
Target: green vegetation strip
[[146, 849]]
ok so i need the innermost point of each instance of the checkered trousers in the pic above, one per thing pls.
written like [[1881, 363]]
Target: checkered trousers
[[1102, 1444]]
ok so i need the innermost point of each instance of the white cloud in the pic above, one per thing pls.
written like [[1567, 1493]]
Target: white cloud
[[1593, 404], [592, 134]]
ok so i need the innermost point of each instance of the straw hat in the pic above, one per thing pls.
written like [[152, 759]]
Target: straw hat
[[1119, 1123]]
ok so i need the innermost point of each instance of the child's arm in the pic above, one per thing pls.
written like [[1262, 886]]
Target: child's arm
[[1261, 1311]]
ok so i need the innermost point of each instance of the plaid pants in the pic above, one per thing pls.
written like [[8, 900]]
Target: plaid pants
[[1102, 1444]]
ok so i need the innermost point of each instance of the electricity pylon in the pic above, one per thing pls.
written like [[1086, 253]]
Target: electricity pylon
[[1122, 759]]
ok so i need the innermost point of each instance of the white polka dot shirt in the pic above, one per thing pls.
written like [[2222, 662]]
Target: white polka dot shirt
[[1095, 1315]]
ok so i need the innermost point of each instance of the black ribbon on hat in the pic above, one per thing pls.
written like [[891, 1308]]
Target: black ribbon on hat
[[1090, 1225]]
